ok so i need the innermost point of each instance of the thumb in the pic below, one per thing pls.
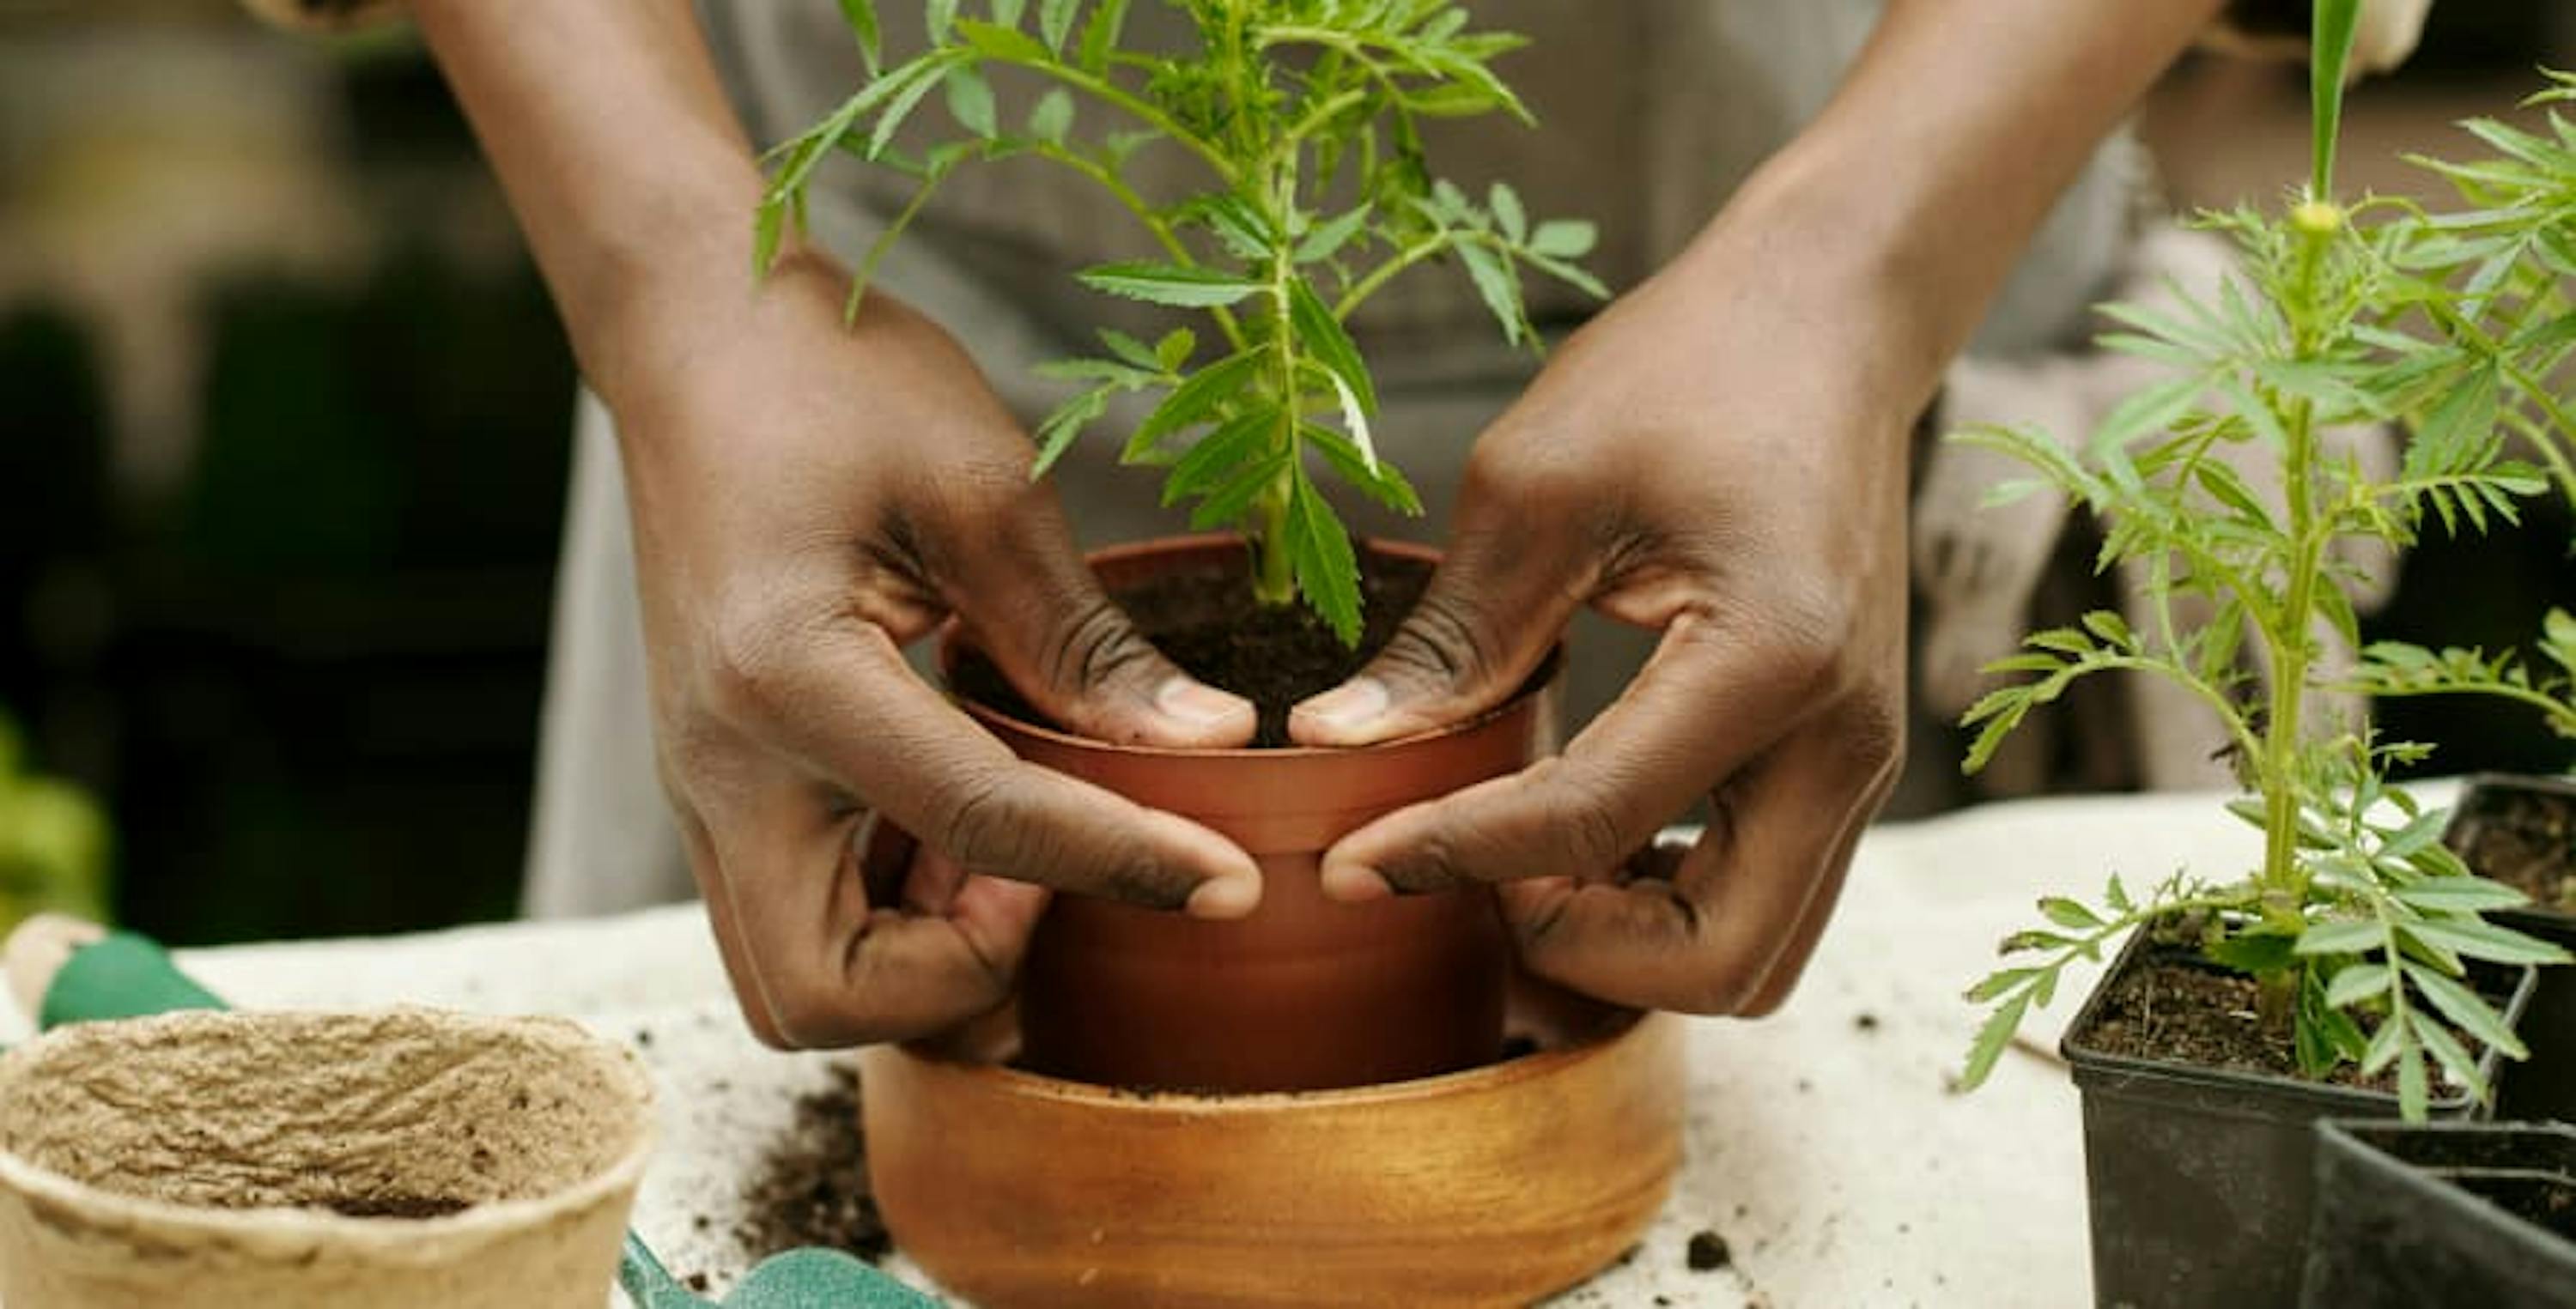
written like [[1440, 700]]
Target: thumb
[[1038, 612], [1495, 606]]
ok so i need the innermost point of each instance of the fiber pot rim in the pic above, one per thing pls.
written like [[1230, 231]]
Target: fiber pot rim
[[422, 1240], [2088, 1064], [953, 639], [1616, 1026]]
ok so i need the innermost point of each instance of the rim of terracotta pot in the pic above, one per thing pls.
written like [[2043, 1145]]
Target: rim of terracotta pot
[[953, 639], [412, 1239]]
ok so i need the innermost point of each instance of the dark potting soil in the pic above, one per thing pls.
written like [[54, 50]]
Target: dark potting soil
[[2527, 840], [1209, 624], [2180, 1011], [811, 1185], [399, 1206], [2548, 1202]]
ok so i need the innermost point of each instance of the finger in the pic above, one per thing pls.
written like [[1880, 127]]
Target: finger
[[1494, 608], [1006, 565], [740, 960], [830, 967], [1713, 698], [1731, 928], [838, 697]]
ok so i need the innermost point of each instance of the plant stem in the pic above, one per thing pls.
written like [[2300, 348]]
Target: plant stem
[[1274, 581], [2284, 879], [1376, 277], [1112, 93], [1144, 213]]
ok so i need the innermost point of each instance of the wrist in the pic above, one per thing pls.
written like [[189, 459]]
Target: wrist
[[1836, 265], [645, 268]]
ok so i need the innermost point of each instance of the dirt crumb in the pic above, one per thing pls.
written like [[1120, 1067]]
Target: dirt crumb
[[1707, 1252]]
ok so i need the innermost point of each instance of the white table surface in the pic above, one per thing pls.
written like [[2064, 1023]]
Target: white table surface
[[1825, 1144]]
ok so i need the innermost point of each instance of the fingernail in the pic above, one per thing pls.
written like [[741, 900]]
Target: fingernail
[[1197, 703], [1351, 705], [1225, 897], [1352, 884]]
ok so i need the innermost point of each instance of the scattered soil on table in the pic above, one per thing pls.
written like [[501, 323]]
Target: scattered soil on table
[[1208, 623], [1707, 1252], [399, 1206], [811, 1184], [1865, 1021], [2527, 840]]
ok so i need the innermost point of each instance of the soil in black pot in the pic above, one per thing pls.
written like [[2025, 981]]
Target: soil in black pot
[[1207, 621], [2547, 1202], [2173, 1007], [2527, 840]]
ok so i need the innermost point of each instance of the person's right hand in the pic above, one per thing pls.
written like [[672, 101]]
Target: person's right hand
[[808, 498]]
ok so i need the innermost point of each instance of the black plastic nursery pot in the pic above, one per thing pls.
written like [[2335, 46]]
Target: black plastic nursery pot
[[2543, 1086], [2477, 1214], [2199, 1179]]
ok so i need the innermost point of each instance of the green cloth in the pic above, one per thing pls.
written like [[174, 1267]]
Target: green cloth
[[123, 976]]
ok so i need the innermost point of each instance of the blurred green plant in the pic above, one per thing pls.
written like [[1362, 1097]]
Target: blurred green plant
[[54, 841]]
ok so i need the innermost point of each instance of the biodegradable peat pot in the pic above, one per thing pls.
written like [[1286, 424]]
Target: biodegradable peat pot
[[1491, 1187], [280, 1161], [2443, 1213], [2200, 1179], [2522, 831], [1306, 993]]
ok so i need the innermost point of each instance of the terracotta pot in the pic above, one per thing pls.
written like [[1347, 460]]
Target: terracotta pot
[[1305, 993], [196, 1159], [1496, 1186]]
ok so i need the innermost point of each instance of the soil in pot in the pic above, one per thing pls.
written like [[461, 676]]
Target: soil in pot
[[2198, 1137], [2173, 1008], [2524, 837], [1206, 621], [217, 1160], [2522, 831]]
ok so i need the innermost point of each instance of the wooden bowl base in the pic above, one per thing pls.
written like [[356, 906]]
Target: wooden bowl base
[[1495, 1186]]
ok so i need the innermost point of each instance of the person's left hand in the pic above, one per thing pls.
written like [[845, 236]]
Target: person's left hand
[[1721, 455]]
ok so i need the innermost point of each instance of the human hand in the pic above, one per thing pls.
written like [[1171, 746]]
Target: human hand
[[1719, 456], [809, 498]]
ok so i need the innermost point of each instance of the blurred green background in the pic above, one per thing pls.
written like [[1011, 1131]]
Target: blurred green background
[[283, 427]]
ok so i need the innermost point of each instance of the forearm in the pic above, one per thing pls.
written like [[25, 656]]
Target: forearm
[[623, 161], [1909, 199]]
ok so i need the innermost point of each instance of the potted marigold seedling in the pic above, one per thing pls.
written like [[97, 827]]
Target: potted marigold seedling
[[1316, 193], [2354, 970], [1138, 1169]]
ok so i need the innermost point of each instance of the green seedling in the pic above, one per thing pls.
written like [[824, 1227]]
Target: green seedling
[[1305, 118], [2358, 926]]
